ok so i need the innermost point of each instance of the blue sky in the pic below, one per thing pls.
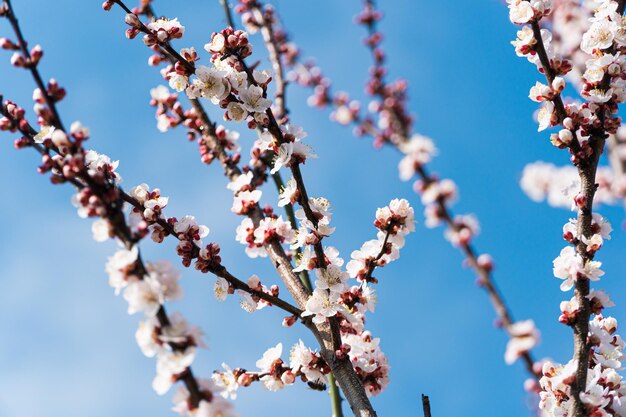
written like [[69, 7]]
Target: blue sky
[[67, 345]]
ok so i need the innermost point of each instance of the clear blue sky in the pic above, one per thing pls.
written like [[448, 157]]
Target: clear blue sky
[[67, 345]]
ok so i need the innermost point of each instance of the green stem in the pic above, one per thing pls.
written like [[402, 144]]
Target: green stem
[[335, 397]]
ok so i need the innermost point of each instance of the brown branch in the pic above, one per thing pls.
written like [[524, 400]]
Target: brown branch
[[267, 31], [117, 220], [220, 270], [374, 263], [485, 277], [587, 168], [271, 44], [32, 67], [426, 405], [327, 334], [231, 169], [342, 369]]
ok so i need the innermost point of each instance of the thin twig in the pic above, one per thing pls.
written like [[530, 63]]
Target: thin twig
[[31, 66], [587, 168], [426, 405], [327, 335], [227, 13], [485, 277]]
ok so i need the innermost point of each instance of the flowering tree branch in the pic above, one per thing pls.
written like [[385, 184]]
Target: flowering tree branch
[[568, 22], [121, 230], [209, 132], [332, 307], [339, 363], [272, 46], [584, 129], [60, 139], [437, 194]]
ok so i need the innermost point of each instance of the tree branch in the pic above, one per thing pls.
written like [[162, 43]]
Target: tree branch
[[327, 334], [426, 406]]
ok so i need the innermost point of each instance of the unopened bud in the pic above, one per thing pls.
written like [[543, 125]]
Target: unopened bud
[[245, 380], [6, 43], [485, 262], [60, 139], [132, 20], [131, 33], [566, 136], [288, 378], [568, 123], [35, 54], [289, 321], [580, 200], [558, 84], [17, 60]]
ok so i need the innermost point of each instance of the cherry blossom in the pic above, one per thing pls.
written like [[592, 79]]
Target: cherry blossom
[[268, 364], [322, 305], [524, 337]]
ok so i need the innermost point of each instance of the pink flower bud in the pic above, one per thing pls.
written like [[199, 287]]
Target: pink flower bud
[[60, 139], [132, 20], [566, 136], [531, 385], [17, 60], [289, 321], [35, 54], [245, 380], [610, 325], [131, 33], [485, 261], [558, 84], [154, 60], [288, 378], [568, 123], [6, 43], [274, 290], [5, 124], [580, 200], [38, 96], [107, 5]]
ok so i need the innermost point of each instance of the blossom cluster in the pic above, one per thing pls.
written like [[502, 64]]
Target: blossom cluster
[[227, 84], [524, 336], [145, 286], [605, 392], [570, 265], [274, 373], [332, 297], [603, 84], [147, 293], [558, 186], [598, 38], [569, 22], [388, 121]]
